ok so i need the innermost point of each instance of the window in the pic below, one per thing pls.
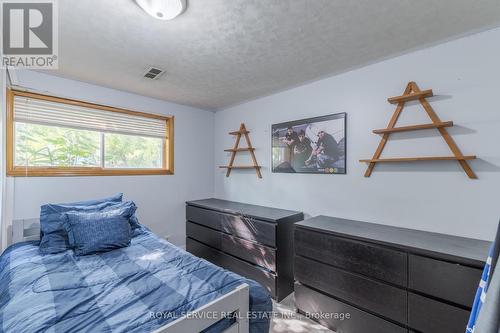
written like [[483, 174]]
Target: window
[[51, 136]]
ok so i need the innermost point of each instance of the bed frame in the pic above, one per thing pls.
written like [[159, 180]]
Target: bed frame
[[235, 302]]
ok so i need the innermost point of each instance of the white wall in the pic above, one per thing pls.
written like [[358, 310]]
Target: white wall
[[433, 196], [160, 198]]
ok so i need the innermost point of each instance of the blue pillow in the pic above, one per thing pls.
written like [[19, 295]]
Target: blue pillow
[[53, 237], [115, 198], [135, 226], [93, 232]]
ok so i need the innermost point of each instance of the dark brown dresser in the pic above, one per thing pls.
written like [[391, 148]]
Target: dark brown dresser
[[253, 241], [387, 279]]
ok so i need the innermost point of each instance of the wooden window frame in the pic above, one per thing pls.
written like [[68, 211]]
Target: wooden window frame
[[22, 171]]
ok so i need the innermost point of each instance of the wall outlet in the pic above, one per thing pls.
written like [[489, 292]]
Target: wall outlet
[[167, 237]]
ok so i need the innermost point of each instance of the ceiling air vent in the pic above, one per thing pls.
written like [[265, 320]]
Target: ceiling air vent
[[153, 73]]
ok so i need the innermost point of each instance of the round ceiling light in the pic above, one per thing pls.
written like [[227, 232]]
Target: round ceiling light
[[163, 9]]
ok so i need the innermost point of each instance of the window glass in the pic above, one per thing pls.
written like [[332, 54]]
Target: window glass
[[130, 151], [50, 146]]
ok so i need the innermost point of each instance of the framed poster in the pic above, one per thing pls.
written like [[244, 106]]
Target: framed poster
[[313, 145]]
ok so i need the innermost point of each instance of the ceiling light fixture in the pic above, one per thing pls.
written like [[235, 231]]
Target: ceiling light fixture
[[163, 9]]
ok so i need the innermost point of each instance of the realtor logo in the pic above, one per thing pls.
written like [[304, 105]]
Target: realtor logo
[[29, 34]]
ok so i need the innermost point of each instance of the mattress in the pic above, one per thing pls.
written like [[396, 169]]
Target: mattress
[[134, 289]]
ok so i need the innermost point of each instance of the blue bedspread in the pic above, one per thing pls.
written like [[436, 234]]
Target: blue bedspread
[[118, 291]]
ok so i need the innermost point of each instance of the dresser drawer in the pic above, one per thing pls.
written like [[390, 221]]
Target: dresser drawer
[[359, 257], [261, 255], [374, 296], [430, 316], [249, 228], [240, 226], [205, 235], [250, 251], [314, 303], [265, 278], [202, 251], [451, 282], [206, 217]]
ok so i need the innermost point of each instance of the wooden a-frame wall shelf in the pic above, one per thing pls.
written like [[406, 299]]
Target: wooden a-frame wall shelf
[[412, 92], [241, 132]]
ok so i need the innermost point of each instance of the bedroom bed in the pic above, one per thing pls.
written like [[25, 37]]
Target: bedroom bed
[[149, 286]]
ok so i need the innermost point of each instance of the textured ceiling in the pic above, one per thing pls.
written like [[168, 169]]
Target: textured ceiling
[[223, 52]]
